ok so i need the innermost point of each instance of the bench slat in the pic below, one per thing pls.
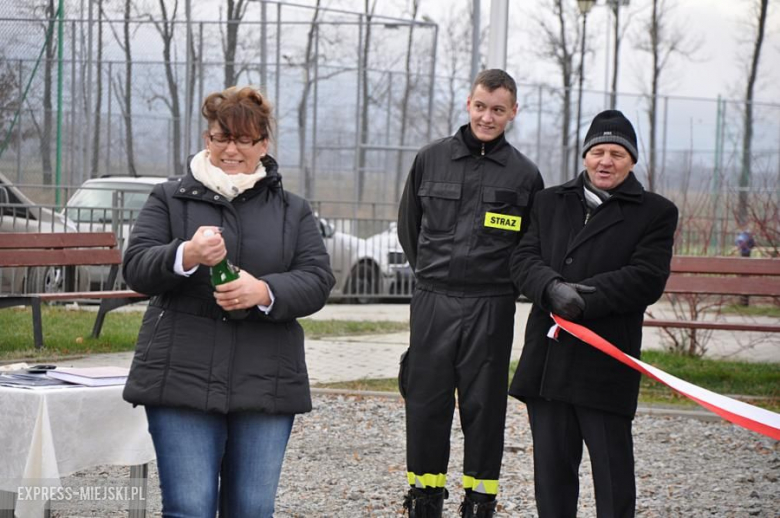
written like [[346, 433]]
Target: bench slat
[[725, 265], [717, 326], [60, 257], [90, 295], [17, 240], [703, 285]]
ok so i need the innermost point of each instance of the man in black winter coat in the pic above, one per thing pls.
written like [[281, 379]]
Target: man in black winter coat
[[463, 210], [598, 253]]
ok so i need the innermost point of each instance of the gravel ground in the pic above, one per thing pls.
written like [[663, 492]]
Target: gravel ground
[[346, 459]]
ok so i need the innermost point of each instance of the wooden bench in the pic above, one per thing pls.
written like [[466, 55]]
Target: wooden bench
[[69, 249], [735, 276]]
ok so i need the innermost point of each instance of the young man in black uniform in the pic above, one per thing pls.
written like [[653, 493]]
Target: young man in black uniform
[[597, 252], [463, 210]]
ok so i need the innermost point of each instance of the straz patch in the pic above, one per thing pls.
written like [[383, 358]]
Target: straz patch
[[503, 221]]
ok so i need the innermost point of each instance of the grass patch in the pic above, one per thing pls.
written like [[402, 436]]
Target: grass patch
[[752, 311], [759, 381], [67, 331], [322, 328]]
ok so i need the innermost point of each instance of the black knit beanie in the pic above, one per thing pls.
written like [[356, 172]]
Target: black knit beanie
[[611, 127]]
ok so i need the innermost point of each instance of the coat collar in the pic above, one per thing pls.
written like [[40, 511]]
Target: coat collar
[[191, 188], [500, 153]]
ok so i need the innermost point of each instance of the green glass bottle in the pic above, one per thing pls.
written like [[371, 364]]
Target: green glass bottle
[[223, 272]]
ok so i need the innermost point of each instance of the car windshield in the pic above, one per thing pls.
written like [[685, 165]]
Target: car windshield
[[97, 202]]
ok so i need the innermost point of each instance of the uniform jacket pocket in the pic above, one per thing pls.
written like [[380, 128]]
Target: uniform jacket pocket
[[440, 201]]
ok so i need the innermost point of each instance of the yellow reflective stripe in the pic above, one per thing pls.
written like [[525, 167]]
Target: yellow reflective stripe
[[426, 480], [487, 487], [502, 221]]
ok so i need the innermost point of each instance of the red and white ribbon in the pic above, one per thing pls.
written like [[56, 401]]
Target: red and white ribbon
[[748, 416]]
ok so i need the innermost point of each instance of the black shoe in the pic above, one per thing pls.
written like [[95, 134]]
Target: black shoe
[[472, 509], [422, 503]]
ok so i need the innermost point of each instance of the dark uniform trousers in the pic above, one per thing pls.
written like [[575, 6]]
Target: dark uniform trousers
[[558, 431], [464, 344]]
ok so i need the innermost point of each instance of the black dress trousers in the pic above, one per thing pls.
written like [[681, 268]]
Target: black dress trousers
[[559, 430]]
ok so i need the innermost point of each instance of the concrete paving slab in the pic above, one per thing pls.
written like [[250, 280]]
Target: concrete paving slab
[[376, 356]]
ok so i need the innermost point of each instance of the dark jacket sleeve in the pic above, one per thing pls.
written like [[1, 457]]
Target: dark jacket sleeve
[[303, 289], [410, 212], [148, 262], [641, 282], [529, 272], [538, 186]]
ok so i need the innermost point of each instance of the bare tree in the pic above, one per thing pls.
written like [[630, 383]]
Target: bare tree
[[559, 43], [235, 13], [619, 32], [303, 104], [127, 110], [763, 216], [662, 40], [166, 27], [455, 64], [46, 131], [365, 97], [123, 92], [99, 95], [9, 100], [408, 86], [747, 138]]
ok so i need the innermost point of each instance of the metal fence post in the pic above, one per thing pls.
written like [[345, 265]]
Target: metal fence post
[[19, 127], [313, 180], [356, 195], [108, 122]]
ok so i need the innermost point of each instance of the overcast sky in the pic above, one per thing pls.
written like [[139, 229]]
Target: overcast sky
[[717, 68]]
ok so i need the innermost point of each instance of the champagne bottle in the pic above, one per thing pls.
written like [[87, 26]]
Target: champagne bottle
[[223, 272]]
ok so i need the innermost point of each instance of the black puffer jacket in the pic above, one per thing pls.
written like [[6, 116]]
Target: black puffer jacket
[[189, 354]]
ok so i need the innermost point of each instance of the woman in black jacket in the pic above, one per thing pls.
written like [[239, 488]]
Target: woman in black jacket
[[221, 371]]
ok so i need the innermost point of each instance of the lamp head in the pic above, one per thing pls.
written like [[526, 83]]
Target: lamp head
[[585, 5]]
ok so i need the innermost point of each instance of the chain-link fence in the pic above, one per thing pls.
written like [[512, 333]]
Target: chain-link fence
[[355, 97], [130, 92]]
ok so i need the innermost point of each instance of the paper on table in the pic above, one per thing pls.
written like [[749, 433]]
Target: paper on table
[[30, 381], [91, 376]]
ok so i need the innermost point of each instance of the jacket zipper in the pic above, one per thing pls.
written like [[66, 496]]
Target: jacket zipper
[[483, 149], [154, 333]]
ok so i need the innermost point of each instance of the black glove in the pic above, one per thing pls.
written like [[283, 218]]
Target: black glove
[[565, 299]]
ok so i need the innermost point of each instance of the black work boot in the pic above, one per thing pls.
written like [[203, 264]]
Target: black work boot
[[471, 508], [425, 503]]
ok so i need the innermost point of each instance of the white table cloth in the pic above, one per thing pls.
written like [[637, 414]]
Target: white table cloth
[[48, 434]]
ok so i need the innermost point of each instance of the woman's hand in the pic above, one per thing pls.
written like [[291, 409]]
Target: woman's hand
[[206, 247], [245, 292]]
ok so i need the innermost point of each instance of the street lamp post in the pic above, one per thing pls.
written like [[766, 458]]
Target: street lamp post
[[584, 6]]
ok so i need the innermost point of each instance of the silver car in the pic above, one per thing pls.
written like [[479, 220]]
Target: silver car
[[366, 269], [109, 205], [20, 214]]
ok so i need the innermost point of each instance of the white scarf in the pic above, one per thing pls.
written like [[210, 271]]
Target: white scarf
[[228, 185]]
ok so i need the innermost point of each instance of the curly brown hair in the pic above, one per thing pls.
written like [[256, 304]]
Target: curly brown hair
[[240, 112]]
